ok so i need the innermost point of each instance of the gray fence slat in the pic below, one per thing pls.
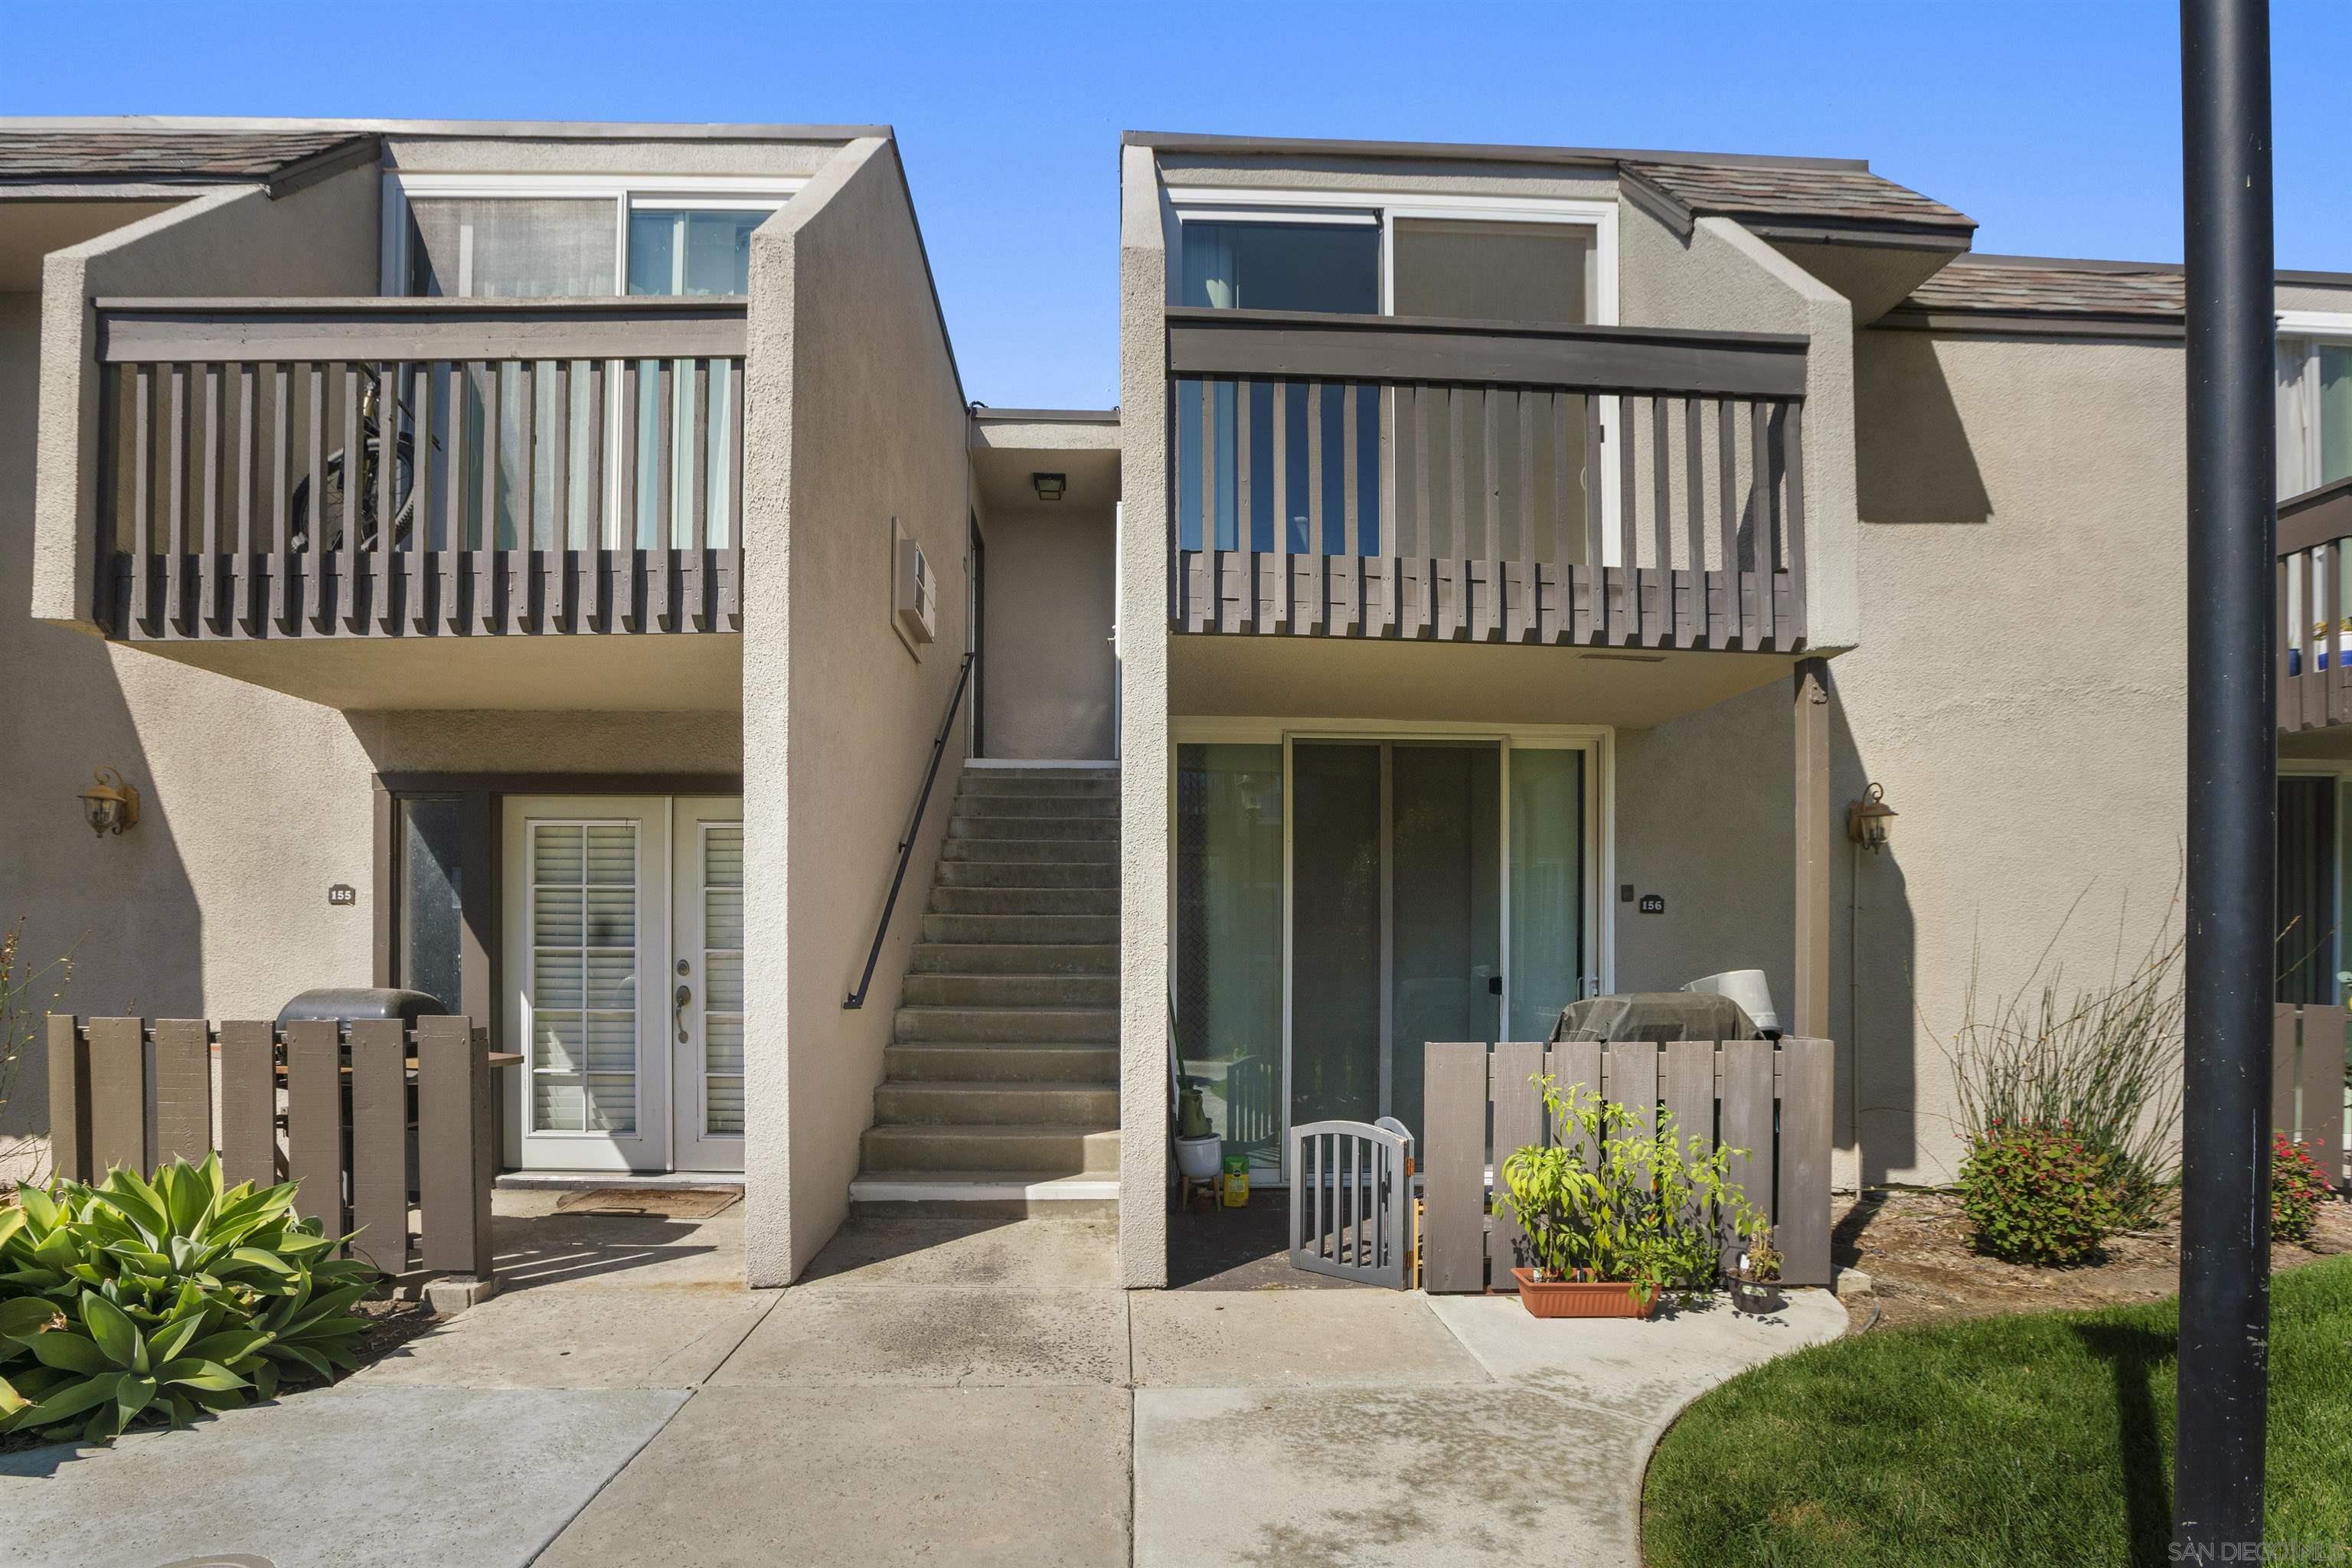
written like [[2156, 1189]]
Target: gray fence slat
[[2286, 1022], [1518, 1122], [1575, 1063], [118, 1095], [380, 1142], [453, 1150], [69, 1099], [1686, 1084], [314, 1122], [248, 1114], [1454, 1166], [1802, 1231], [1747, 1122], [2322, 1088], [183, 1089], [1631, 1072]]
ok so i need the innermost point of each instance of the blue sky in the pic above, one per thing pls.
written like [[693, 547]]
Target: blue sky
[[2055, 125]]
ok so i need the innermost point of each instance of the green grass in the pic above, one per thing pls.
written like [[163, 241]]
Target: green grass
[[2045, 1439]]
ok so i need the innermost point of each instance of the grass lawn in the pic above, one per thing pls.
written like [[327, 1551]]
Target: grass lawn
[[2040, 1438]]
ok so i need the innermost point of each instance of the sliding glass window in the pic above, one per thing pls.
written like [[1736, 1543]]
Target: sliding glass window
[[1228, 1023]]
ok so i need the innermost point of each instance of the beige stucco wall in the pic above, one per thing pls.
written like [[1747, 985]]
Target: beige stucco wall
[[2018, 690], [857, 418], [1144, 843], [582, 155], [1388, 176], [1047, 625]]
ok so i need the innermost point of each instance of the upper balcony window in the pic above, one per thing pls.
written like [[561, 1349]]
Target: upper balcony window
[[1331, 265], [2315, 401]]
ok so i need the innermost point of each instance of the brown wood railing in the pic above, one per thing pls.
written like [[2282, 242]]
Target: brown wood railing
[[367, 1116], [1375, 476], [2315, 529], [555, 466]]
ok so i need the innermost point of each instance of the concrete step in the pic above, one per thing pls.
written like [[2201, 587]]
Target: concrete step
[[1040, 781], [1016, 958], [1094, 929], [1034, 851], [1055, 1151], [958, 1025], [968, 990], [1025, 827], [1026, 1061], [1068, 807], [954, 873], [1024, 900], [995, 1103], [1014, 1195]]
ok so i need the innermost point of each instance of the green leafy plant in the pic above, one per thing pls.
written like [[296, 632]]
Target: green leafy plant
[[2041, 1195], [135, 1301], [1610, 1201], [2101, 1062], [2297, 1189], [1760, 1260]]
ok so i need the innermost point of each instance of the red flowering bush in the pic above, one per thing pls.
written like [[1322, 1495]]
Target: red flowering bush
[[2297, 1189], [2039, 1194]]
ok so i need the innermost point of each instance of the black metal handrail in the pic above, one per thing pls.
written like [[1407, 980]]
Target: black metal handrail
[[907, 844]]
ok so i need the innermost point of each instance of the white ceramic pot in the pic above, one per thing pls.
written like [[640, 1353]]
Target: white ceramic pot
[[1198, 1158]]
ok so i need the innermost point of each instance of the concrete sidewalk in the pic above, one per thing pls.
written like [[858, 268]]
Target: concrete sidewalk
[[937, 1391]]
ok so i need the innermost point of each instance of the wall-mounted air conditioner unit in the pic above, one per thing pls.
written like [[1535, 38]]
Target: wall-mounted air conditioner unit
[[914, 593]]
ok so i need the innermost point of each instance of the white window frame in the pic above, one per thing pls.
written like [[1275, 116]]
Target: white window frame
[[1244, 204], [2311, 330], [1597, 742], [712, 193]]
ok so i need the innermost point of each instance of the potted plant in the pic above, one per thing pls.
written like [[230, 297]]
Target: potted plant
[[1198, 1146], [1613, 1214], [1755, 1283]]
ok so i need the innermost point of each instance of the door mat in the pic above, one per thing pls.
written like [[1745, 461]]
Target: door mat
[[650, 1203]]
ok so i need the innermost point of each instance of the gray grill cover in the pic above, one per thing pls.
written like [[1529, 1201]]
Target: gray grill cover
[[342, 1002], [1656, 1016]]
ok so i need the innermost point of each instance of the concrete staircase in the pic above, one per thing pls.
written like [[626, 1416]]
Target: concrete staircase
[[1002, 1084]]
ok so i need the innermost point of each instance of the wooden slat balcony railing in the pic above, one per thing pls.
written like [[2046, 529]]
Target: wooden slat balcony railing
[[555, 466], [2314, 533], [1376, 475]]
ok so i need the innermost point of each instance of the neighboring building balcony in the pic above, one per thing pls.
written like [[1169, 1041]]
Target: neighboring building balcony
[[1394, 478], [419, 469], [2315, 637]]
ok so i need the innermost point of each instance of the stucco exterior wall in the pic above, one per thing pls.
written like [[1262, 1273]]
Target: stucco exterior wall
[[579, 155], [1388, 176], [1047, 625], [1724, 278], [856, 419], [1146, 761]]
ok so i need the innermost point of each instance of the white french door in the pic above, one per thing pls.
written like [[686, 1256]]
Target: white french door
[[623, 977]]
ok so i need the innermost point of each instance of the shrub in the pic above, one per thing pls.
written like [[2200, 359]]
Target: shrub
[[2297, 1189], [135, 1302], [2039, 1194], [2103, 1062], [1612, 1203]]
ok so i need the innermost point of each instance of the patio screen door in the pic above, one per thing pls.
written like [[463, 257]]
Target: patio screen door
[[622, 971]]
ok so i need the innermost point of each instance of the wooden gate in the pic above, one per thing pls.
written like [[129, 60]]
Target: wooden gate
[[1351, 1201], [1769, 1098], [2307, 1083]]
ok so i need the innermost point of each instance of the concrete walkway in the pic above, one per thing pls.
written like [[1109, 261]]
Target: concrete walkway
[[937, 1392]]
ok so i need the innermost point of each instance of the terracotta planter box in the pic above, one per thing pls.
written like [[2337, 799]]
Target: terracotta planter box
[[1580, 1299]]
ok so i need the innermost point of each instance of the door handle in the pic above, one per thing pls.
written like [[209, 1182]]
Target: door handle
[[677, 1011]]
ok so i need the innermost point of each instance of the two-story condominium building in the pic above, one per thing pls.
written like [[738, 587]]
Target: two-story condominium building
[[558, 569]]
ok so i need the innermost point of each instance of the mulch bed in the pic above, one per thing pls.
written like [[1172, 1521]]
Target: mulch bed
[[1915, 1247]]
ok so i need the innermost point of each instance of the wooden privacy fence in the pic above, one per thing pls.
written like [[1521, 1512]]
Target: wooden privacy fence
[[1770, 1099], [367, 1116], [1375, 476], [2308, 1060], [569, 466]]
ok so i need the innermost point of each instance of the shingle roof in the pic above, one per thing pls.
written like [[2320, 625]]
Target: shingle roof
[[2015, 285], [1782, 195], [65, 155]]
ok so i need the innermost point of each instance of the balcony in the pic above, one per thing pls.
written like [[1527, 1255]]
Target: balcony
[[2314, 688], [1391, 477], [557, 466]]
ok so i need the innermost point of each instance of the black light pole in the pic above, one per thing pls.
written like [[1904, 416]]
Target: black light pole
[[2225, 1213]]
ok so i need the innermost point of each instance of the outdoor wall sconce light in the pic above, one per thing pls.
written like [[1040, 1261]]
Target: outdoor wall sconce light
[[1050, 487], [110, 806], [1869, 820]]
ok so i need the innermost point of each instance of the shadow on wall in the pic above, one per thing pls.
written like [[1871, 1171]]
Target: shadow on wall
[[1913, 462], [1874, 1006], [125, 907]]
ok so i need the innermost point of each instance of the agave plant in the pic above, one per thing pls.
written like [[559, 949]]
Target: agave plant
[[135, 1300]]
